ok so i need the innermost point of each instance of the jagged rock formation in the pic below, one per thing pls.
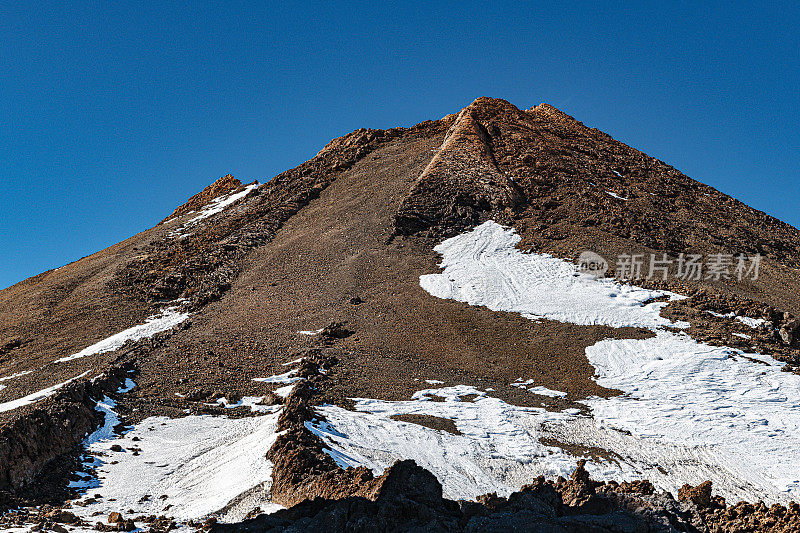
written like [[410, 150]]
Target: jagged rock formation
[[222, 186]]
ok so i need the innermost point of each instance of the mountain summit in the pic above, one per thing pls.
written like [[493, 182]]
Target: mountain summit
[[405, 331]]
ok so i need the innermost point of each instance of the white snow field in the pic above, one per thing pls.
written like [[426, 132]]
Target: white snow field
[[483, 267], [689, 411], [166, 319], [498, 450], [196, 465]]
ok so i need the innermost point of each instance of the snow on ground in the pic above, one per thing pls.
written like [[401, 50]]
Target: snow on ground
[[498, 451], [17, 375], [286, 377], [185, 468], [167, 319], [682, 391], [36, 396], [688, 412], [483, 267], [12, 376], [753, 323], [283, 392], [500, 448], [543, 391], [253, 402], [217, 205], [615, 195]]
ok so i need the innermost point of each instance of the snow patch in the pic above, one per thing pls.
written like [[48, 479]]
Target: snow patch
[[483, 267], [684, 392], [285, 391], [218, 204], [215, 206], [253, 402], [543, 391], [186, 468], [12, 376], [36, 396], [286, 377], [498, 449], [167, 319], [753, 323]]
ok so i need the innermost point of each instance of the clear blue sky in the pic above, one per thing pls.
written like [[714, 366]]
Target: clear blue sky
[[113, 113]]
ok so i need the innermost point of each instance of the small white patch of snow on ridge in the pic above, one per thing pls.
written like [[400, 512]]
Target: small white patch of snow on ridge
[[434, 382], [753, 323], [18, 374], [217, 205], [36, 396], [284, 391], [167, 319], [309, 332], [253, 402], [12, 376], [721, 315], [448, 394], [615, 195]]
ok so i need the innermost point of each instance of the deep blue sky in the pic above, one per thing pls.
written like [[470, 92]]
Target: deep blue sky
[[113, 113]]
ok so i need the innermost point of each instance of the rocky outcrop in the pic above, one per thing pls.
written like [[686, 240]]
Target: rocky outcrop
[[463, 185], [56, 426], [789, 331], [222, 186], [542, 170], [409, 498]]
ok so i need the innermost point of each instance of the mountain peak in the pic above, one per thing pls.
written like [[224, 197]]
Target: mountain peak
[[321, 315]]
